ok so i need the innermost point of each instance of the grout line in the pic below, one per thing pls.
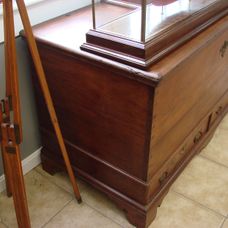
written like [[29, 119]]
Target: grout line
[[223, 222], [53, 182], [84, 204], [57, 213], [28, 164], [224, 128], [218, 163], [203, 206], [200, 204], [4, 224], [104, 214]]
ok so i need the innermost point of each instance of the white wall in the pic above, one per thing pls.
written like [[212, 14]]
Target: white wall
[[42, 10]]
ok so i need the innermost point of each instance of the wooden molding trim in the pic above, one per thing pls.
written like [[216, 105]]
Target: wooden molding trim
[[142, 55]]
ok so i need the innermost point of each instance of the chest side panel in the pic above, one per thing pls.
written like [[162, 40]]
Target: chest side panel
[[100, 112], [185, 97]]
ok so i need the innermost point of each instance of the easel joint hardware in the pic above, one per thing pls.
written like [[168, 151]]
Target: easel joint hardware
[[10, 133], [10, 116], [5, 108]]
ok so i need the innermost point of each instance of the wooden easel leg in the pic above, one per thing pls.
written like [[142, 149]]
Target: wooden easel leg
[[44, 86], [18, 191], [11, 132], [12, 154], [19, 195], [5, 110]]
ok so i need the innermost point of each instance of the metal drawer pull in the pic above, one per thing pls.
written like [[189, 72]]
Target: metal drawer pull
[[219, 111], [198, 137], [163, 177], [223, 48], [183, 150]]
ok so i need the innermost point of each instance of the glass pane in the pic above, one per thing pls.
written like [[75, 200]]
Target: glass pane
[[160, 14], [127, 22]]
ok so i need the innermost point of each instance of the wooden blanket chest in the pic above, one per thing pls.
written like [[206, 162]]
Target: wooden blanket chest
[[130, 132]]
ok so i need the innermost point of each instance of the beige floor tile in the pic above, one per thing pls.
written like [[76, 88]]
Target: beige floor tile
[[44, 199], [75, 215], [205, 182], [91, 196], [105, 206], [178, 212], [60, 179], [2, 225], [225, 225], [217, 149], [224, 123]]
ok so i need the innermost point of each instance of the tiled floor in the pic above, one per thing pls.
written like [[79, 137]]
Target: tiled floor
[[198, 199]]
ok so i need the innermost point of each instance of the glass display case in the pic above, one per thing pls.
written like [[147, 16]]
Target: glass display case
[[149, 29]]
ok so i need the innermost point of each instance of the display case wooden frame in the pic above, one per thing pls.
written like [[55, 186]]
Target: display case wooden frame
[[143, 54]]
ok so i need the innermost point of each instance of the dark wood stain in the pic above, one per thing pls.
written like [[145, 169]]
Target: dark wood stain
[[129, 132]]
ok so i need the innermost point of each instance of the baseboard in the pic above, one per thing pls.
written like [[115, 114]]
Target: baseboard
[[27, 165]]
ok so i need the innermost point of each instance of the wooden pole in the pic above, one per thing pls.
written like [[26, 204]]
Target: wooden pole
[[5, 117], [10, 115], [11, 132], [12, 152], [44, 86]]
